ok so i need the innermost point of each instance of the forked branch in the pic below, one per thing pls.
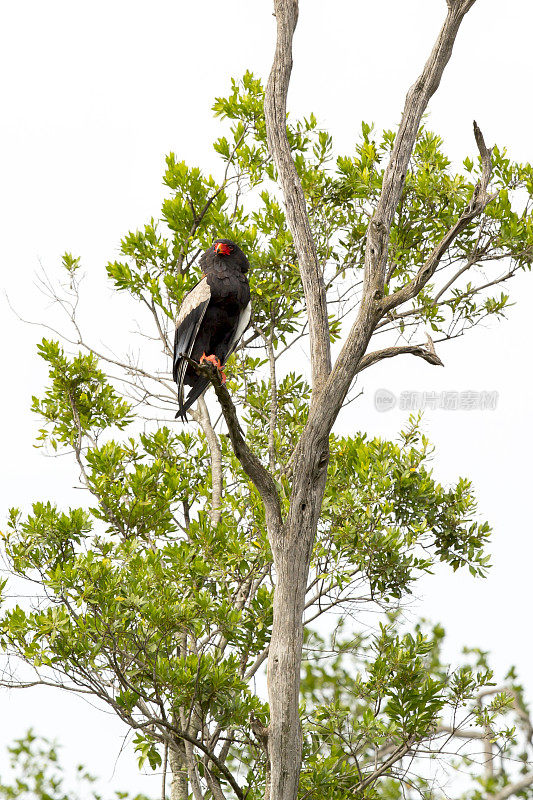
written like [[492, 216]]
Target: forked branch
[[479, 201], [373, 305], [418, 97]]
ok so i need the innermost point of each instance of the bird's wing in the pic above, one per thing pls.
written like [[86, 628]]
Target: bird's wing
[[190, 318], [244, 321], [202, 383]]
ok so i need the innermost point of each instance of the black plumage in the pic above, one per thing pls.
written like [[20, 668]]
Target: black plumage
[[212, 317]]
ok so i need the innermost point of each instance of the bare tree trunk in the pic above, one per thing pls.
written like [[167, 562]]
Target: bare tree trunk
[[178, 768], [292, 550], [292, 554]]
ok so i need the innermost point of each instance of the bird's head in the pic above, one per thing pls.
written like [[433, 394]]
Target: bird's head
[[224, 248]]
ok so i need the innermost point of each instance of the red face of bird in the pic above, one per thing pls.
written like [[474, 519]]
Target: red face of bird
[[221, 248], [224, 252]]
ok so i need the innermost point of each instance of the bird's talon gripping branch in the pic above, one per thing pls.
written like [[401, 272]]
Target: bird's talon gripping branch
[[216, 363]]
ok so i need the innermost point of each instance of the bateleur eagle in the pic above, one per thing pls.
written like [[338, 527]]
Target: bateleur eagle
[[212, 318]]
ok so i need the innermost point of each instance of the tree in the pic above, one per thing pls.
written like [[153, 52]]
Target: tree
[[200, 553]]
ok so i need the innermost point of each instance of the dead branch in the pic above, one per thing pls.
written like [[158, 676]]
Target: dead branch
[[390, 352]]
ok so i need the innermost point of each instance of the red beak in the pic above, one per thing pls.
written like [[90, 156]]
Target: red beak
[[220, 247]]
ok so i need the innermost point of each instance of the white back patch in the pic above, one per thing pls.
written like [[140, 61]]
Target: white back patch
[[198, 295]]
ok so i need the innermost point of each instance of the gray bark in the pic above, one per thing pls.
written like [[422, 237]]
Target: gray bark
[[178, 769]]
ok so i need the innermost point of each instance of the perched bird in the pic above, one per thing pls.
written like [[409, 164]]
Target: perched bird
[[212, 318]]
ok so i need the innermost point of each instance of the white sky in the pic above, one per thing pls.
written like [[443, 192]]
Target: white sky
[[94, 94]]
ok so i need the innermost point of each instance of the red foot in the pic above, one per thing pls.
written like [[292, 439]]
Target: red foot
[[216, 363]]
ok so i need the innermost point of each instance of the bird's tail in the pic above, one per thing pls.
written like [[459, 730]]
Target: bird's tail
[[198, 389]]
